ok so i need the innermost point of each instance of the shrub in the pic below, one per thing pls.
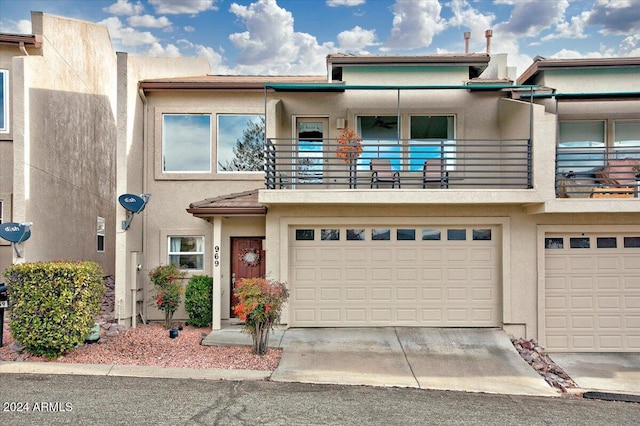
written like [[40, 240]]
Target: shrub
[[54, 304], [260, 305], [166, 280], [198, 300]]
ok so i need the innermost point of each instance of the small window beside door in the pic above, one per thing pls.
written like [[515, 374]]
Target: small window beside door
[[187, 252]]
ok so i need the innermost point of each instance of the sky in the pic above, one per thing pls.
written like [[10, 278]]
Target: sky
[[293, 37]]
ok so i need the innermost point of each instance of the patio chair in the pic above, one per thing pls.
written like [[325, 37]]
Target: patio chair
[[381, 172], [433, 172]]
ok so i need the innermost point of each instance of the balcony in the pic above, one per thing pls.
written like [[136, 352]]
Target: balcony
[[460, 164], [592, 170]]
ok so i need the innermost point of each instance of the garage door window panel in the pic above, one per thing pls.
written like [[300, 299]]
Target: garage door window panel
[[355, 235], [631, 242], [554, 243], [606, 242], [456, 234], [579, 243], [305, 234], [482, 234], [381, 234], [330, 235], [430, 234], [406, 234]]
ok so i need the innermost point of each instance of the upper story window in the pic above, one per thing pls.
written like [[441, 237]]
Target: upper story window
[[240, 143], [379, 139], [432, 136], [187, 252], [186, 143], [581, 145], [627, 139], [4, 101]]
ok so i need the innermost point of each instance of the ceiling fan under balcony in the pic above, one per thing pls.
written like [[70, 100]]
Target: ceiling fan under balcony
[[380, 122]]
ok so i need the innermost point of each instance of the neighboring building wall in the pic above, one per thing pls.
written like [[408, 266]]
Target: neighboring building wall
[[131, 167], [64, 141], [7, 53]]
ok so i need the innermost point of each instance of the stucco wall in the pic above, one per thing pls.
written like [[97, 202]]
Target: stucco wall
[[64, 141], [130, 245]]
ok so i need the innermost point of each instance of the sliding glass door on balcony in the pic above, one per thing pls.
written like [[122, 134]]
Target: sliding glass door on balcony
[[309, 155]]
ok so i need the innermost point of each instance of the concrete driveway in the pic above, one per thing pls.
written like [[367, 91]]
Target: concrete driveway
[[474, 360], [608, 372]]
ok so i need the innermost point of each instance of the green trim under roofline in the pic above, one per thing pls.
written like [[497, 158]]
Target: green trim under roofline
[[333, 87], [586, 95]]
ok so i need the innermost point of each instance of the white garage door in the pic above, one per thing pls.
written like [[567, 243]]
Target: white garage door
[[592, 293], [383, 276]]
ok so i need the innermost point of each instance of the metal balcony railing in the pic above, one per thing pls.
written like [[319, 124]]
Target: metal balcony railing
[[593, 170], [459, 163]]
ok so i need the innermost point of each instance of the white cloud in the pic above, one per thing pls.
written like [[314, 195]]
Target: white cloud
[[336, 3], [619, 17], [466, 16], [127, 36], [170, 50], [528, 18], [270, 44], [123, 7], [190, 29], [356, 39], [149, 21], [415, 22], [571, 30], [216, 60], [174, 7], [23, 26], [630, 46]]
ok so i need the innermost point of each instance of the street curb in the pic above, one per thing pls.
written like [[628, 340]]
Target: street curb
[[12, 367]]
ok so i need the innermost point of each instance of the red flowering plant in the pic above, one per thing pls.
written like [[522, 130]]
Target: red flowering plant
[[167, 282], [260, 306]]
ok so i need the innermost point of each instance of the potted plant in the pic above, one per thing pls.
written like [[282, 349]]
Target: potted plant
[[260, 305], [166, 280], [349, 149]]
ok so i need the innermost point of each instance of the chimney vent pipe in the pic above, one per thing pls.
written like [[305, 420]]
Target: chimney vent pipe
[[488, 34], [467, 36]]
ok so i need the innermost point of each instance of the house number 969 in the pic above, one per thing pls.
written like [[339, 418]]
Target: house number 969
[[216, 256]]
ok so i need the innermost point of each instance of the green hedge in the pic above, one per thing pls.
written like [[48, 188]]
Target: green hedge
[[197, 300], [54, 304]]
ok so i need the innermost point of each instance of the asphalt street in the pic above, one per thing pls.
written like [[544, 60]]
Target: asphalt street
[[102, 400]]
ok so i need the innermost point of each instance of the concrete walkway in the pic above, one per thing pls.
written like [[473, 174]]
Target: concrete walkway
[[617, 373], [473, 360]]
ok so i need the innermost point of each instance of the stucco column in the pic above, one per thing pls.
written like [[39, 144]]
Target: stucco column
[[217, 273]]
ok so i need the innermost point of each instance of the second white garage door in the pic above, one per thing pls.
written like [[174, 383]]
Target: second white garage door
[[384, 276], [592, 292]]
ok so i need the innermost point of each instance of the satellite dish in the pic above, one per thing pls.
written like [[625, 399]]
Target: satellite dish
[[132, 203], [15, 232]]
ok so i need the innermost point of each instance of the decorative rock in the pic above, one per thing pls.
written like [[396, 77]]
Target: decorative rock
[[16, 347], [535, 356]]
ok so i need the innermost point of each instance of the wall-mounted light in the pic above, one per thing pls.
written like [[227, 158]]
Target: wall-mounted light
[[341, 123]]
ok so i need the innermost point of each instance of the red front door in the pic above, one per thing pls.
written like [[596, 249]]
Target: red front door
[[247, 261]]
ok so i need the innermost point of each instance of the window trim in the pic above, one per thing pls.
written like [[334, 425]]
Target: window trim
[[203, 253], [162, 142], [217, 144], [101, 233]]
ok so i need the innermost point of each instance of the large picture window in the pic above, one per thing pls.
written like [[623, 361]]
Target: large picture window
[[581, 145], [187, 252], [4, 101], [432, 136], [186, 143], [240, 143], [627, 139], [379, 140]]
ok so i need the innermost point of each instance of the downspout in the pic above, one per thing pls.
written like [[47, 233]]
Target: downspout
[[23, 49], [134, 287], [530, 154]]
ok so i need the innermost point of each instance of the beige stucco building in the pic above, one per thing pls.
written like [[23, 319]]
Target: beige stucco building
[[473, 199], [521, 225]]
